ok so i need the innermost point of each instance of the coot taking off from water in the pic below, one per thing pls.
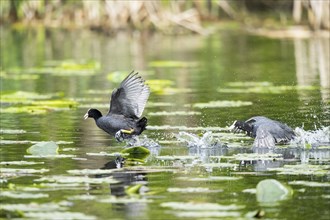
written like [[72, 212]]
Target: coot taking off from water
[[126, 107], [267, 132]]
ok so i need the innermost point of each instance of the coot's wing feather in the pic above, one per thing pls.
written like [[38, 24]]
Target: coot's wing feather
[[264, 139], [131, 97]]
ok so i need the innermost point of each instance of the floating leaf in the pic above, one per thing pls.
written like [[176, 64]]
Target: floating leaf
[[302, 169], [200, 206], [62, 68], [136, 152], [184, 128], [133, 190], [309, 183], [22, 171], [193, 190], [30, 142], [218, 165], [76, 179], [159, 104], [23, 195], [171, 64], [24, 97], [210, 178], [58, 215], [43, 149], [9, 131], [271, 191], [125, 200], [83, 197], [20, 163], [90, 171], [102, 153], [252, 191], [253, 156], [261, 88], [51, 156], [174, 113], [249, 84], [220, 104], [12, 76], [177, 157], [206, 214], [33, 207]]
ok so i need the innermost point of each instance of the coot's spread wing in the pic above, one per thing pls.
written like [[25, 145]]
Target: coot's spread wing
[[131, 97], [280, 132]]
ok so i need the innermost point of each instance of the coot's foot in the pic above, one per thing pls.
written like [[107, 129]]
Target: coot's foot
[[119, 136]]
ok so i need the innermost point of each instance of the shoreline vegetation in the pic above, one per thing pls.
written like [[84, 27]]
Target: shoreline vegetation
[[274, 18]]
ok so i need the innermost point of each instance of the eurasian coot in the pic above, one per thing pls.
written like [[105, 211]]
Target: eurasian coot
[[126, 107], [267, 132]]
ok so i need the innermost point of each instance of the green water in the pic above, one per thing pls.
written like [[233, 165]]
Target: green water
[[79, 66]]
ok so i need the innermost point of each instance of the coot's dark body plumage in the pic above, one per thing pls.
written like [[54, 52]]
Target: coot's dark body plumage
[[267, 132], [126, 106]]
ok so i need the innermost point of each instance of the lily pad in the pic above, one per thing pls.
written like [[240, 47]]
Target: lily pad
[[249, 84], [24, 97], [35, 103], [90, 171], [58, 215], [102, 153], [200, 206], [125, 200], [174, 113], [261, 88], [310, 183], [76, 179], [51, 156], [252, 191], [22, 171], [253, 157], [33, 207], [23, 195], [43, 149], [220, 104], [184, 128], [176, 157], [10, 131], [136, 152], [206, 214], [171, 64], [159, 104], [20, 163], [210, 178], [11, 76], [193, 190], [270, 192], [133, 190], [62, 68], [302, 169]]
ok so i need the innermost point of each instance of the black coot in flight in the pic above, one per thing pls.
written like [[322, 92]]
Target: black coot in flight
[[267, 132], [126, 106]]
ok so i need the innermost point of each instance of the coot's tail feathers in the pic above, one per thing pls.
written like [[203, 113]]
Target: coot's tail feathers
[[142, 124], [263, 139]]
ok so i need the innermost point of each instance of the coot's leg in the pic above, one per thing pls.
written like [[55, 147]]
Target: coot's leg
[[122, 134]]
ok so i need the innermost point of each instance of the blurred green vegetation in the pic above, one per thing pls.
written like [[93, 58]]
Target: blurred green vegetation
[[166, 16]]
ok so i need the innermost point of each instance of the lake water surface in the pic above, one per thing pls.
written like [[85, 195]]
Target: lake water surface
[[200, 85]]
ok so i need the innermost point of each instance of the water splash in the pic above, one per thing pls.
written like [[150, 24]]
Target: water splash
[[192, 140], [313, 138], [142, 140]]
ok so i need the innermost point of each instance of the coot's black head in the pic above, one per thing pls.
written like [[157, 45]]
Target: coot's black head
[[93, 113], [241, 126]]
